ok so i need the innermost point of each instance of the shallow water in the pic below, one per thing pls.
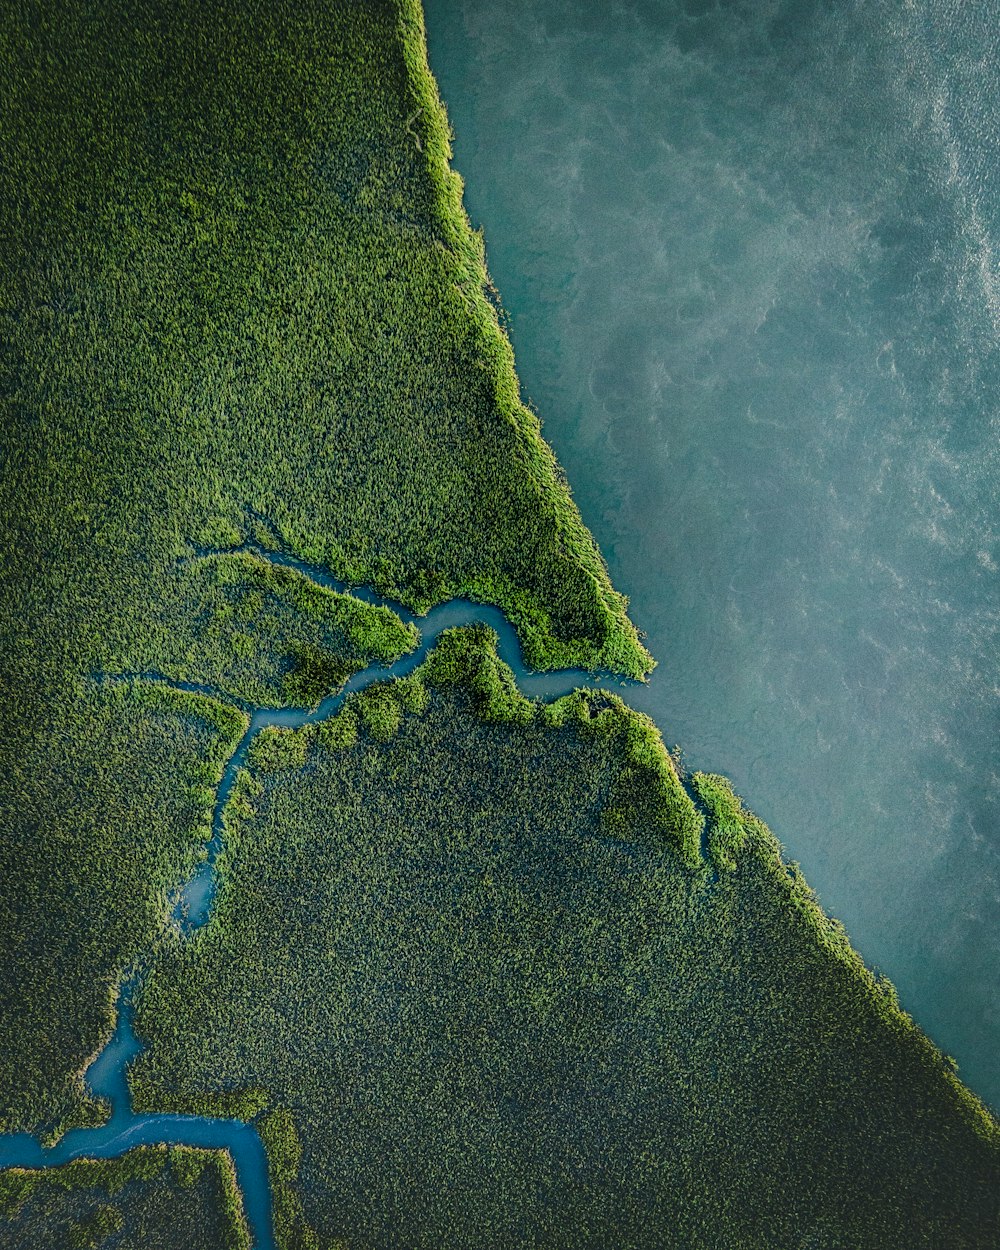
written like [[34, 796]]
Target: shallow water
[[750, 256]]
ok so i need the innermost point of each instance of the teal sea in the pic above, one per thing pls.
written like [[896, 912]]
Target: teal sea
[[750, 254]]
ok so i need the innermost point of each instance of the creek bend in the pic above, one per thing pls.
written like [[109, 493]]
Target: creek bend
[[107, 1074]]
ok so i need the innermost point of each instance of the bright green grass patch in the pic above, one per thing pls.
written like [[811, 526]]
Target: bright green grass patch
[[152, 1198], [727, 823], [482, 1014]]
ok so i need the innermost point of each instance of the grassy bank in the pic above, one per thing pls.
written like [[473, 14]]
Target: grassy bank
[[152, 1198], [239, 301], [462, 962], [262, 633]]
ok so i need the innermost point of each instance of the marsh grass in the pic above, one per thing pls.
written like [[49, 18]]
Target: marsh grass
[[480, 1013], [240, 301], [151, 1198], [467, 965]]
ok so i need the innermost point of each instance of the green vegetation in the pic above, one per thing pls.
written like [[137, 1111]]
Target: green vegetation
[[239, 274], [114, 809], [468, 968], [261, 632], [727, 819], [487, 1003], [152, 1198], [240, 303]]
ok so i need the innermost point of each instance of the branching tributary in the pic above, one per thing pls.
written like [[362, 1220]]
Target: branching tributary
[[106, 1076]]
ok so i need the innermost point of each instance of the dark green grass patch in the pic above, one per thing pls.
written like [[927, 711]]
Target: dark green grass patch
[[152, 1198], [480, 1013]]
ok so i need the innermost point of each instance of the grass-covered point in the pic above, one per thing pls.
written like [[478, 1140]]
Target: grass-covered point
[[727, 819], [236, 281], [152, 1198], [461, 963], [238, 271]]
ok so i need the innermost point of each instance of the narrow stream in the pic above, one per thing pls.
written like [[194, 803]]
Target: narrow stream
[[106, 1076], [125, 1129]]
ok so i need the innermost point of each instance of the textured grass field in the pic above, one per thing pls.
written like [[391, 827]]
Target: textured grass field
[[152, 1198], [459, 958]]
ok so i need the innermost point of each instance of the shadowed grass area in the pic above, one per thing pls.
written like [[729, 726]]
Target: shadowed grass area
[[152, 1198], [486, 1002], [114, 809]]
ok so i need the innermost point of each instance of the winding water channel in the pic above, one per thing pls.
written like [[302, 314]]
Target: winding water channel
[[107, 1075]]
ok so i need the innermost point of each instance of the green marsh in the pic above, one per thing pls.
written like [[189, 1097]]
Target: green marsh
[[481, 971]]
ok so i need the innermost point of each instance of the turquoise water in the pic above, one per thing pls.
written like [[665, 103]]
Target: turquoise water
[[750, 257]]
